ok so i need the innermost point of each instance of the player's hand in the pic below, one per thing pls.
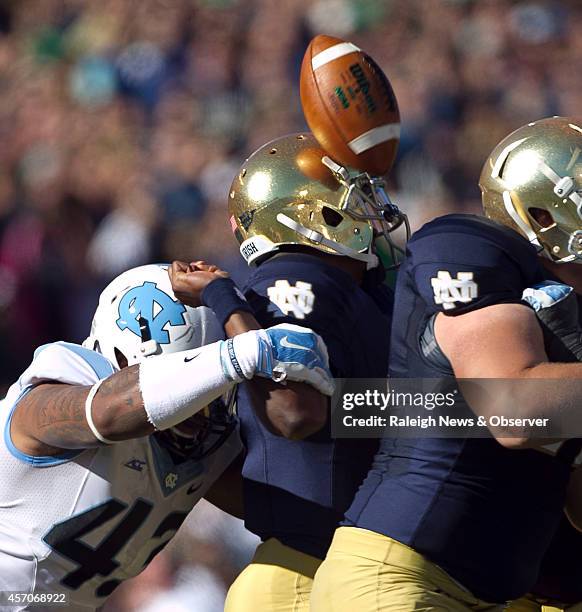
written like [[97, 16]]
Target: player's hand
[[190, 280], [556, 307], [295, 353]]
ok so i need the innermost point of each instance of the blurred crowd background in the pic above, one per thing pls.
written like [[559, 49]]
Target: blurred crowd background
[[122, 124]]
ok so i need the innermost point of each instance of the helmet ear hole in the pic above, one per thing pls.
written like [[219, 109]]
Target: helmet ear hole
[[121, 359], [332, 217], [541, 216]]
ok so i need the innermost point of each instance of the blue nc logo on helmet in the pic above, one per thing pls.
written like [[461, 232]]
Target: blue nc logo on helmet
[[154, 305]]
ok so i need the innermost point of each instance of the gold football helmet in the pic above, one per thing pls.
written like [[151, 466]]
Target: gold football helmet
[[532, 182], [289, 192]]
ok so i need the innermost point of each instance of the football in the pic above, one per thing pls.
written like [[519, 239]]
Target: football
[[349, 105]]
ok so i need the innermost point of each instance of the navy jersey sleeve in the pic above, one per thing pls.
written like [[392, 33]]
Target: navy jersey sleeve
[[460, 263]]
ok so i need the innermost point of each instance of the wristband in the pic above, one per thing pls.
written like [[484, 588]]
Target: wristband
[[233, 359], [223, 297], [89, 415]]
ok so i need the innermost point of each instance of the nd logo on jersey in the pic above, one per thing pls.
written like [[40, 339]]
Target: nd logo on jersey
[[448, 290], [154, 305], [298, 299]]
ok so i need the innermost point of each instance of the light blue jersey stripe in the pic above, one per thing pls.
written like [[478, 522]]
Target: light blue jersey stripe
[[102, 368]]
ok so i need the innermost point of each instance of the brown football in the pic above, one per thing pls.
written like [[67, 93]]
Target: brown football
[[349, 105]]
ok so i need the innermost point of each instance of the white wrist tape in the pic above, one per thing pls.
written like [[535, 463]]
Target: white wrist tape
[[89, 415], [246, 351], [176, 386]]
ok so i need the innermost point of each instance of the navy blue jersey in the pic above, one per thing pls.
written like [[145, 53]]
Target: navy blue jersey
[[561, 573], [560, 576], [471, 506], [298, 491]]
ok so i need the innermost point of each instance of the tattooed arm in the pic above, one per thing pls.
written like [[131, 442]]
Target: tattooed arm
[[51, 417]]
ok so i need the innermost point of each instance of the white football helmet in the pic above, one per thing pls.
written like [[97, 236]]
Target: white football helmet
[[138, 315]]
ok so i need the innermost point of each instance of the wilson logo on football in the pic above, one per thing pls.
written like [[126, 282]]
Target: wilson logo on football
[[449, 290], [297, 300]]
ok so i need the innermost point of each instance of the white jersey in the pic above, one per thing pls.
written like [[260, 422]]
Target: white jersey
[[85, 521]]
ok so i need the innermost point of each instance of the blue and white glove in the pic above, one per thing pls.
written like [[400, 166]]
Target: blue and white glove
[[298, 354], [546, 294], [282, 352], [556, 307]]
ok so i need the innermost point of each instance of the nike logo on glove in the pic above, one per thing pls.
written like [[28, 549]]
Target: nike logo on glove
[[187, 359], [284, 342]]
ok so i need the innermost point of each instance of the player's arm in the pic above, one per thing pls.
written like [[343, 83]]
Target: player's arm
[[472, 275], [296, 410], [505, 341], [227, 491], [156, 394], [51, 417]]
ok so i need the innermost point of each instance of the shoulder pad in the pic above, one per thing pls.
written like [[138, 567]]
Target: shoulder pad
[[480, 228], [460, 263], [299, 286], [291, 265], [66, 363]]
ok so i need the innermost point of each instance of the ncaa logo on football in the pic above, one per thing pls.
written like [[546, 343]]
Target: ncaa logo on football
[[449, 290], [154, 305]]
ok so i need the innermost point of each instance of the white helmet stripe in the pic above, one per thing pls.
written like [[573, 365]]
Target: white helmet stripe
[[525, 228], [319, 238]]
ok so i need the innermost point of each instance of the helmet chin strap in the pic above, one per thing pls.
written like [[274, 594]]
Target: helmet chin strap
[[148, 345], [369, 258]]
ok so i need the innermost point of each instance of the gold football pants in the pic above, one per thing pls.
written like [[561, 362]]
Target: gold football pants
[[368, 572], [278, 579]]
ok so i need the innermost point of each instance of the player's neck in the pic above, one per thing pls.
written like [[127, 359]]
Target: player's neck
[[354, 268], [569, 273]]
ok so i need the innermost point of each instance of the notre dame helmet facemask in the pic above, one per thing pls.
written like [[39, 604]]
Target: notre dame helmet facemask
[[289, 192], [532, 182]]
